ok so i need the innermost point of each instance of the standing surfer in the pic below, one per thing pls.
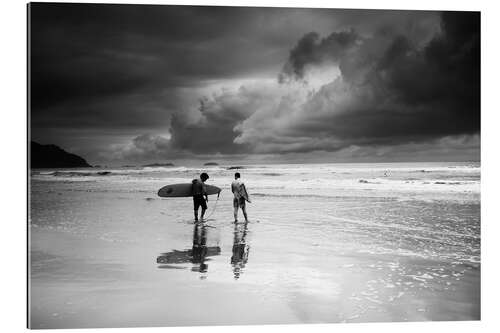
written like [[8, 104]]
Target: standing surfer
[[240, 196], [200, 197]]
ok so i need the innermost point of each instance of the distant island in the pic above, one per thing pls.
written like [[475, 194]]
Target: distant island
[[51, 156], [210, 164], [159, 165], [235, 167]]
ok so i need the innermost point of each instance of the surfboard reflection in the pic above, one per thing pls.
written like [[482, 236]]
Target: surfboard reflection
[[240, 249], [197, 255]]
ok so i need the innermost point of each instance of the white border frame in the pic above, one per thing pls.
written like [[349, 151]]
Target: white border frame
[[13, 165]]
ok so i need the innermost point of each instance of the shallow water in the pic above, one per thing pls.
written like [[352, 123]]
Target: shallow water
[[326, 243]]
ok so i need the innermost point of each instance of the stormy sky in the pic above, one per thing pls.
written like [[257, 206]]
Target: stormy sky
[[132, 84]]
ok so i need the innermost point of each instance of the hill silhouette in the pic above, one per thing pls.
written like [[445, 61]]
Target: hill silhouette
[[51, 156]]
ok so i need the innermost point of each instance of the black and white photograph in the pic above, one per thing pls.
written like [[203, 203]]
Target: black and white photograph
[[197, 165]]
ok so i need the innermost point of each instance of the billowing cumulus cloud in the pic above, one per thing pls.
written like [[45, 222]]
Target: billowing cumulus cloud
[[220, 114], [310, 50], [145, 147], [389, 92]]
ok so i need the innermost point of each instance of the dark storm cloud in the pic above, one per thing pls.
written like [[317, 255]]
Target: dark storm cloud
[[310, 50], [392, 90], [90, 51], [84, 51], [397, 94]]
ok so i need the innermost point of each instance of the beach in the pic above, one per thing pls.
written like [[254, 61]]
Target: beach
[[326, 243]]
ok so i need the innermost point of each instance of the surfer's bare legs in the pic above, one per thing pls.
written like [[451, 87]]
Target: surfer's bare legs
[[235, 214], [199, 201], [244, 210], [203, 210]]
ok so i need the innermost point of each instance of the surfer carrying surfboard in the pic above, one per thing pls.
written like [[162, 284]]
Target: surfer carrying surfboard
[[240, 196], [200, 196]]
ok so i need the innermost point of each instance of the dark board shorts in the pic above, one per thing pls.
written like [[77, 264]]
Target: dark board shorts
[[239, 203], [199, 200]]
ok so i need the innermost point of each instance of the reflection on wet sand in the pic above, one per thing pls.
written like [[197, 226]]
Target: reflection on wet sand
[[197, 254], [240, 249]]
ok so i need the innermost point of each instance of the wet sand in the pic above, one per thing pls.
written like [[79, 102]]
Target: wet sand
[[119, 259]]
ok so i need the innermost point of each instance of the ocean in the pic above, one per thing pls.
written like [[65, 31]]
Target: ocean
[[325, 243]]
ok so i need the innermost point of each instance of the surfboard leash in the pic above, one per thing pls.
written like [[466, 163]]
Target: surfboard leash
[[215, 206]]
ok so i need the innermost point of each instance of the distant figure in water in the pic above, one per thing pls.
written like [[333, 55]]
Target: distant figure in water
[[200, 197], [240, 196]]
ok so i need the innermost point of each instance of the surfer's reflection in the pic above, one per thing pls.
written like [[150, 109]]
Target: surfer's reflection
[[240, 249], [200, 250], [197, 254]]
